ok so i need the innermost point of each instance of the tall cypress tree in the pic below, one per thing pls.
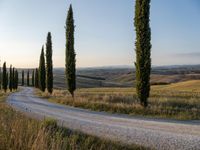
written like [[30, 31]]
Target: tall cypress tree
[[33, 78], [42, 72], [70, 60], [22, 77], [11, 79], [143, 50], [28, 83], [49, 64], [36, 78], [5, 77]]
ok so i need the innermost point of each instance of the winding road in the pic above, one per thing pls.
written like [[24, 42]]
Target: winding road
[[155, 133]]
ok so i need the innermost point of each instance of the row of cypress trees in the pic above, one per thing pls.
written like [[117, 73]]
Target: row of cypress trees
[[43, 77], [28, 78], [9, 79], [142, 44], [44, 74]]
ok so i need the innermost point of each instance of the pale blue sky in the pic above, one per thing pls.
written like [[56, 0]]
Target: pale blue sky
[[104, 31]]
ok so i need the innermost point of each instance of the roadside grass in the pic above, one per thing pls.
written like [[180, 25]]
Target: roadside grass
[[176, 101], [17, 131]]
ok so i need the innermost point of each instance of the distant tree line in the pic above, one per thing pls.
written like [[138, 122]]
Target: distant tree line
[[42, 77], [8, 79]]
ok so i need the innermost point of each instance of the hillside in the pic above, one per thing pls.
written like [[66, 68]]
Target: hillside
[[125, 77], [187, 86]]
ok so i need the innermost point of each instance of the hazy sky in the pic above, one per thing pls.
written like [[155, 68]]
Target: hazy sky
[[104, 33]]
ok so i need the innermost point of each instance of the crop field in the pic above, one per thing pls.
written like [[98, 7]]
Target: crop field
[[177, 101]]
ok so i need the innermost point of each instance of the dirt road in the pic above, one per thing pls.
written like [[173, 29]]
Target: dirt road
[[154, 133]]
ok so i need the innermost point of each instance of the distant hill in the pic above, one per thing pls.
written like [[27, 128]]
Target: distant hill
[[125, 76]]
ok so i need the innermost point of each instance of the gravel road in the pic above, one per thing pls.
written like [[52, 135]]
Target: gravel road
[[154, 133]]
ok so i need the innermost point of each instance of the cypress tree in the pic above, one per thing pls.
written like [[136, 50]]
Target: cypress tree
[[143, 50], [70, 60], [28, 84], [42, 72], [33, 78], [11, 79], [36, 78], [22, 77], [49, 64], [16, 80], [5, 77], [7, 80]]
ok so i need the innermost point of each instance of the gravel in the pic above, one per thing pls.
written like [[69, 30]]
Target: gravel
[[154, 133]]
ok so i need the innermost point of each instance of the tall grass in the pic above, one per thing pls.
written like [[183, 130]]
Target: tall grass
[[165, 101], [19, 132]]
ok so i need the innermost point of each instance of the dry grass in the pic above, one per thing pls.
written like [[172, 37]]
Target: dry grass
[[177, 101], [18, 132]]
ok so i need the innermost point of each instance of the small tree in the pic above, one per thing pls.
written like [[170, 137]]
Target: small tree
[[16, 80], [36, 78], [28, 84], [70, 60], [143, 50], [49, 64], [22, 77], [33, 78], [5, 77], [11, 79], [42, 72]]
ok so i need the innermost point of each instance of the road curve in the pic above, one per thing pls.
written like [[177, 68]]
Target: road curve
[[154, 133]]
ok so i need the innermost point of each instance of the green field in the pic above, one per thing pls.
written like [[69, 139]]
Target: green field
[[177, 101]]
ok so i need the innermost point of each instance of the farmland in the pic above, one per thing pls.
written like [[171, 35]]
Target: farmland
[[176, 100]]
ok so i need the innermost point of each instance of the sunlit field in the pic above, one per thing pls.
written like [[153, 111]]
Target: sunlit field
[[177, 101]]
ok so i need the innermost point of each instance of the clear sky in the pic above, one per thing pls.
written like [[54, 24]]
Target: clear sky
[[104, 33]]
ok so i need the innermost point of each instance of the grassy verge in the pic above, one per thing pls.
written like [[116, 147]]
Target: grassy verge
[[176, 101], [20, 132]]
